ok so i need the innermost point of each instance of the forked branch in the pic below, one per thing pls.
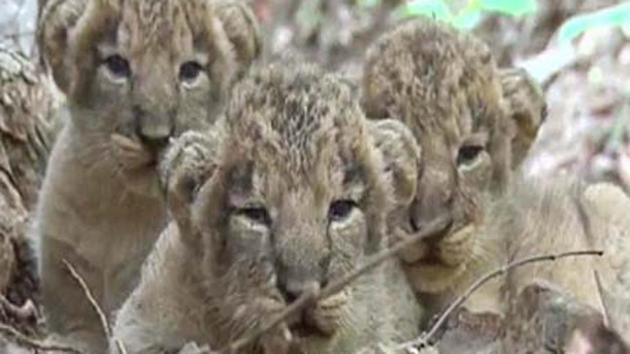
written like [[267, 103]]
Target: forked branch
[[424, 339], [15, 336]]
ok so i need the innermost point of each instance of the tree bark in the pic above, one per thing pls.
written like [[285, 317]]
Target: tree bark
[[27, 129]]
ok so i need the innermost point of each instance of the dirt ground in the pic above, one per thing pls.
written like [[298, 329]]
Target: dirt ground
[[587, 133]]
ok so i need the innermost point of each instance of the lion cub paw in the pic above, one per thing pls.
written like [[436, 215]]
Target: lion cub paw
[[327, 314]]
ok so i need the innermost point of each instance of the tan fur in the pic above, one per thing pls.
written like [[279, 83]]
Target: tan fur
[[257, 204], [537, 217], [527, 108], [446, 87], [607, 206], [100, 208]]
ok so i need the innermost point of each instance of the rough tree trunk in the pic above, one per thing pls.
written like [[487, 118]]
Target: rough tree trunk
[[27, 128]]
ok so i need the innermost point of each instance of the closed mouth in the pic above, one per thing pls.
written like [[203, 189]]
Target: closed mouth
[[431, 261], [303, 329], [432, 258]]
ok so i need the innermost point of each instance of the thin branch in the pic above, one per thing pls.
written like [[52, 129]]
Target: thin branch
[[583, 217], [587, 228], [602, 298], [313, 295], [90, 297], [121, 347], [88, 294], [19, 338], [307, 298], [423, 340]]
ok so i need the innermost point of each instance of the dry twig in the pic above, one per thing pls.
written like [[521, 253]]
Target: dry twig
[[19, 338], [314, 294], [90, 297], [587, 227], [88, 293], [602, 298], [423, 340]]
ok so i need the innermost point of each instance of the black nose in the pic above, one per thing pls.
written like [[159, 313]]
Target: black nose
[[293, 290], [154, 143], [153, 129]]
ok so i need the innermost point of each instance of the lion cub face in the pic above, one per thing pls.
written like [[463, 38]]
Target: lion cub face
[[445, 86], [138, 72], [291, 196]]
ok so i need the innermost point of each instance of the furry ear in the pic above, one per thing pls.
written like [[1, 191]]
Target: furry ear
[[401, 156], [186, 165], [67, 33], [526, 107], [56, 20], [241, 26]]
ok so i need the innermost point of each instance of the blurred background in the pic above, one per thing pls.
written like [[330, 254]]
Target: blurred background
[[579, 50]]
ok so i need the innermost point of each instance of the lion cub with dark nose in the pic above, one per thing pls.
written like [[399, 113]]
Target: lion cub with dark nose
[[288, 193], [136, 73], [475, 124]]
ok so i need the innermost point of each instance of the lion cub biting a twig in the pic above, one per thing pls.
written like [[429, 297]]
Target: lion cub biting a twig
[[475, 124], [136, 73], [286, 194]]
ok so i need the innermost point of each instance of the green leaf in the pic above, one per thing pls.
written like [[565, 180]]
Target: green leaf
[[436, 9], [368, 3], [510, 7], [618, 15], [467, 20]]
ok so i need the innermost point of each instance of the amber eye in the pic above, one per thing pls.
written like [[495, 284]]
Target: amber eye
[[117, 65], [468, 153], [257, 214], [190, 70], [340, 209]]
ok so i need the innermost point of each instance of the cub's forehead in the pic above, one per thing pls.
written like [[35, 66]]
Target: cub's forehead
[[432, 77], [161, 23], [299, 116]]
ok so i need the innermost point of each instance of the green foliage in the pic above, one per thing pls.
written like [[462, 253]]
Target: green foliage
[[617, 15], [509, 7], [310, 16], [367, 3], [437, 9], [468, 16]]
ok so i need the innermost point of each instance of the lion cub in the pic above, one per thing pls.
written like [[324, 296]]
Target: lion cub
[[135, 73], [288, 193], [475, 124]]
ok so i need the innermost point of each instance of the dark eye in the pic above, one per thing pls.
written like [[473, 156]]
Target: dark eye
[[256, 214], [340, 209], [117, 65], [189, 70], [468, 153]]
